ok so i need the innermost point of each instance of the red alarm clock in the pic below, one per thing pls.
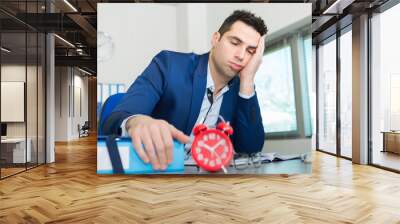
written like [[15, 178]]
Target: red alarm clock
[[212, 148]]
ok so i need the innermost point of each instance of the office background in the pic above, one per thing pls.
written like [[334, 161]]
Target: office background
[[22, 107], [360, 108], [283, 80], [43, 99]]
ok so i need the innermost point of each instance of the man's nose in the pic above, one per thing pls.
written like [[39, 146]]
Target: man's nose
[[240, 53]]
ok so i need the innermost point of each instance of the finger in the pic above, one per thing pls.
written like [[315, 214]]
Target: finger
[[137, 144], [168, 143], [260, 48], [178, 135], [149, 147], [159, 146], [263, 42]]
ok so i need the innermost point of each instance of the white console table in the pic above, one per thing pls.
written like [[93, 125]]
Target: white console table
[[19, 149]]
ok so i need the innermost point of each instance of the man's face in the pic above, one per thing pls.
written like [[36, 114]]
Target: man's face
[[232, 51]]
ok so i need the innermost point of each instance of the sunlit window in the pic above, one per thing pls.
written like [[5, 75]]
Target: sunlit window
[[275, 91], [104, 90], [327, 97]]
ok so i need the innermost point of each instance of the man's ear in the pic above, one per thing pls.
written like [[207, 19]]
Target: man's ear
[[215, 38]]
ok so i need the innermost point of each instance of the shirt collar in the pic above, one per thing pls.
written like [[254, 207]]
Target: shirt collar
[[210, 82]]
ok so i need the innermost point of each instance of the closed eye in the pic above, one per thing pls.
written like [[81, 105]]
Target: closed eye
[[251, 51]]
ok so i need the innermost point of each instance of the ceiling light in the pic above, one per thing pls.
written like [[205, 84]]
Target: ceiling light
[[5, 50], [65, 41], [337, 7], [329, 9], [84, 71], [70, 5]]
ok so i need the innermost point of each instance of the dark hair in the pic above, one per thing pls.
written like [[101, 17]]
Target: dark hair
[[248, 18]]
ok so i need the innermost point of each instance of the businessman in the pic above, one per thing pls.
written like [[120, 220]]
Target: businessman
[[178, 90]]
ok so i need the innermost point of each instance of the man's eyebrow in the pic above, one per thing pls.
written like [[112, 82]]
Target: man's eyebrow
[[238, 39], [235, 38]]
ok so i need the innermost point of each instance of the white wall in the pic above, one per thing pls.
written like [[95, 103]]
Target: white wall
[[80, 83], [137, 35], [288, 146], [61, 103], [192, 28], [66, 121]]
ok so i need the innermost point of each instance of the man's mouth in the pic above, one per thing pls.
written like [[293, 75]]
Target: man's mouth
[[235, 66]]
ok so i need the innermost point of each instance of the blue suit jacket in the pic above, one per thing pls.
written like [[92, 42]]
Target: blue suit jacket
[[172, 88]]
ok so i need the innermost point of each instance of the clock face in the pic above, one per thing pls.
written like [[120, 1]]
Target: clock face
[[212, 149]]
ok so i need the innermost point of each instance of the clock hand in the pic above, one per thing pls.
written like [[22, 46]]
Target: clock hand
[[216, 145], [223, 167], [206, 146]]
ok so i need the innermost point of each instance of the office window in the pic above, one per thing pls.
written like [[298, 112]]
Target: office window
[[346, 94], [327, 96], [308, 56], [104, 90], [385, 89], [275, 91], [13, 82]]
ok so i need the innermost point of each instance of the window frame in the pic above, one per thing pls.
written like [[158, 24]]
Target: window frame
[[295, 41]]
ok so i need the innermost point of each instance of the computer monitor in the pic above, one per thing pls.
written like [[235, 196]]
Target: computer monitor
[[3, 129]]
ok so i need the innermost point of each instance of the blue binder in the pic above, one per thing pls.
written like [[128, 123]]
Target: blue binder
[[116, 155]]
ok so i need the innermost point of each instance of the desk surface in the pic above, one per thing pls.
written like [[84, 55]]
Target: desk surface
[[390, 132], [294, 166], [13, 140], [282, 167]]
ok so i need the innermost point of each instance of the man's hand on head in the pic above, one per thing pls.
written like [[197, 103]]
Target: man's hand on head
[[157, 137], [247, 74]]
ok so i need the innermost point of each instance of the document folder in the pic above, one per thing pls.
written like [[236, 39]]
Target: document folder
[[117, 156]]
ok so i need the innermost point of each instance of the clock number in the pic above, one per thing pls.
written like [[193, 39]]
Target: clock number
[[212, 136], [212, 163], [198, 150]]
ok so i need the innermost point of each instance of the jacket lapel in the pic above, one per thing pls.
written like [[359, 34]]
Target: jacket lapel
[[198, 91]]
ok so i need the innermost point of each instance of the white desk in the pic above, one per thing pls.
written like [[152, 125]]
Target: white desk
[[19, 149]]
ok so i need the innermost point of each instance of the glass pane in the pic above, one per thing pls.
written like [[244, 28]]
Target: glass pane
[[120, 88], [275, 91], [386, 89], [114, 89], [106, 90], [41, 98], [31, 98], [327, 97], [13, 85], [346, 94], [309, 52]]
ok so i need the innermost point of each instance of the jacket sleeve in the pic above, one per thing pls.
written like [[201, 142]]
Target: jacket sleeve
[[248, 133], [142, 96]]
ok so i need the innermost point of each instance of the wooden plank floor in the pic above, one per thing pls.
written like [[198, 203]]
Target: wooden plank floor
[[69, 191]]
